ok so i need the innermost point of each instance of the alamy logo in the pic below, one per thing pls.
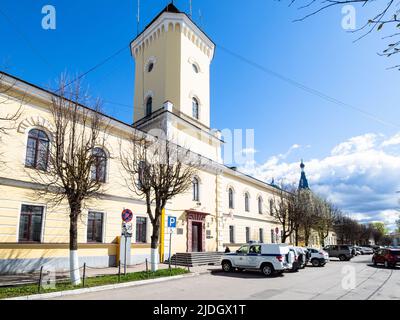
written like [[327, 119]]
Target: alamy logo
[[49, 20], [349, 17], [349, 278]]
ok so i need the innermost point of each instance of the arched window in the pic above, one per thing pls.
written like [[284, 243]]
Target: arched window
[[230, 196], [247, 202], [260, 205], [271, 207], [195, 183], [150, 67], [99, 167], [195, 68], [195, 108], [37, 150], [149, 106]]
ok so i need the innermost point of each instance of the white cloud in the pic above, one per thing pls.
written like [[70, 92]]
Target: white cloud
[[361, 175]]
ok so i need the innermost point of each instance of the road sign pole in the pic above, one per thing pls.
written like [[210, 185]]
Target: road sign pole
[[125, 257], [170, 241]]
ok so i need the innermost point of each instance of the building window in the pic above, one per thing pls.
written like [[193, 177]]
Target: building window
[[195, 68], [195, 183], [246, 202], [272, 236], [95, 227], [231, 202], [99, 167], [271, 207], [37, 150], [141, 234], [260, 205], [231, 234], [30, 223], [149, 106], [261, 235], [150, 67], [247, 234], [195, 108]]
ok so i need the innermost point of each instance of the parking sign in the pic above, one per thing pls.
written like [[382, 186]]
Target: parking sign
[[171, 222]]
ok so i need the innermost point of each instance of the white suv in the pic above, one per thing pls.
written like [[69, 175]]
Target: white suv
[[318, 258], [269, 258]]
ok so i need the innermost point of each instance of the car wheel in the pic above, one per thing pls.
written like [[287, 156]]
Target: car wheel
[[267, 270], [315, 262], [342, 257], [374, 262], [226, 266]]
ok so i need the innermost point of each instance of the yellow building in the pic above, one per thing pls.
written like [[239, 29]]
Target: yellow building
[[172, 93]]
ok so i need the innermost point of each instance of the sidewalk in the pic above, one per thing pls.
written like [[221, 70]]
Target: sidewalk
[[21, 279]]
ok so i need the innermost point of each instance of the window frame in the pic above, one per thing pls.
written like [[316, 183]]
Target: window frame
[[37, 142], [195, 102], [44, 210], [103, 218], [231, 198], [196, 189], [105, 158], [260, 202], [248, 234], [147, 112], [145, 229], [232, 234], [247, 202]]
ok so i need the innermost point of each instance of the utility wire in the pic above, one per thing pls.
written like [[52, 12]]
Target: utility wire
[[307, 88]]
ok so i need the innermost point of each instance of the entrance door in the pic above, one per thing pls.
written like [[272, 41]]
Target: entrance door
[[196, 237]]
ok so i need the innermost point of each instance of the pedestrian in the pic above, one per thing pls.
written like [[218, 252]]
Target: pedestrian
[[227, 250]]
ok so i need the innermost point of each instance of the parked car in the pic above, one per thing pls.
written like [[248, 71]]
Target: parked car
[[318, 258], [365, 250], [389, 257], [343, 252], [302, 257], [297, 262], [268, 258]]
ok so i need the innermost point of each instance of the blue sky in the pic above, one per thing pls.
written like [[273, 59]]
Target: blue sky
[[289, 123]]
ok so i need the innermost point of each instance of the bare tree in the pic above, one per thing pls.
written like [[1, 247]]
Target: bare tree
[[8, 119], [73, 164], [325, 213], [157, 171], [285, 209], [387, 14]]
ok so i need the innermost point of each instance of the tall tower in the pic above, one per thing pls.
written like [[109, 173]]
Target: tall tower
[[173, 58], [172, 81], [303, 184]]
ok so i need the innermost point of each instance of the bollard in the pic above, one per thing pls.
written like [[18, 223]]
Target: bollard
[[40, 279], [119, 271], [187, 264], [147, 267], [84, 274]]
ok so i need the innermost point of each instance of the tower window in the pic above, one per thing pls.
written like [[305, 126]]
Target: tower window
[[195, 68], [150, 67], [195, 108], [149, 106]]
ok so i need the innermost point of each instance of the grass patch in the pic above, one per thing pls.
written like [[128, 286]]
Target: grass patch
[[25, 290]]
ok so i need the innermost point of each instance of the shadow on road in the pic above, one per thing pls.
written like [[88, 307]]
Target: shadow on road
[[246, 274], [381, 266]]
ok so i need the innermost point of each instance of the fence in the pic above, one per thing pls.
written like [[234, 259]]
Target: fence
[[47, 277]]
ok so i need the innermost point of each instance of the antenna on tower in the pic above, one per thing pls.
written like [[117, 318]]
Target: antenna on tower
[[138, 17]]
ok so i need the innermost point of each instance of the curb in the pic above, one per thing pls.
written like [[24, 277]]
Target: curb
[[101, 288]]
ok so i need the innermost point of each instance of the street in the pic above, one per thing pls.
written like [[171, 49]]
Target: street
[[357, 279]]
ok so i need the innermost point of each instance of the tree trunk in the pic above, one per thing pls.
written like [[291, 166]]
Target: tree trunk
[[73, 247], [155, 238]]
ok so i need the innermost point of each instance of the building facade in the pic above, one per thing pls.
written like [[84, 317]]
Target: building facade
[[172, 95]]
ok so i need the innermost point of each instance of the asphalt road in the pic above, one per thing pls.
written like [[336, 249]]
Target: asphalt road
[[357, 279]]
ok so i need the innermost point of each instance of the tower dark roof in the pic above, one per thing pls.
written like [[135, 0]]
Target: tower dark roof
[[169, 8], [303, 184]]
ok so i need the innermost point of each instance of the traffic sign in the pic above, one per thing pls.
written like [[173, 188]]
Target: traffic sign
[[171, 222], [127, 215]]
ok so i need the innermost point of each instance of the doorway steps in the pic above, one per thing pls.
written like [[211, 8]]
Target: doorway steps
[[193, 259]]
